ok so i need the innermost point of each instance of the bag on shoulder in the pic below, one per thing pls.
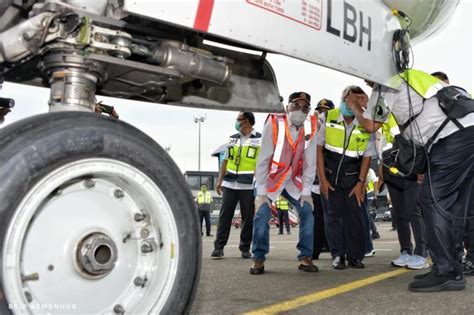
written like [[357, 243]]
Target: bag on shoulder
[[406, 158]]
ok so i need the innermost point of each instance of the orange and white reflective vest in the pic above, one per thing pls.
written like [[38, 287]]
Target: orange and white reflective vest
[[288, 154]]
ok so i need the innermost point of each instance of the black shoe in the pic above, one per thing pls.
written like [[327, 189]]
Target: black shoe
[[375, 235], [210, 235], [217, 253], [422, 276], [258, 268], [315, 257], [468, 268], [338, 263], [434, 283], [307, 265], [280, 233], [355, 263], [246, 254]]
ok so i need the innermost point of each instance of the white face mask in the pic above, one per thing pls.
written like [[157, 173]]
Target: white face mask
[[297, 118]]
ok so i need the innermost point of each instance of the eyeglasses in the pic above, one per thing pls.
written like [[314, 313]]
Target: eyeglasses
[[304, 106]]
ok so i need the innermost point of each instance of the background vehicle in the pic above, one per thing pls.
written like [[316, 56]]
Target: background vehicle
[[97, 205], [292, 215]]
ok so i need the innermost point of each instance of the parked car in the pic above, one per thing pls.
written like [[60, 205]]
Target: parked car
[[292, 215]]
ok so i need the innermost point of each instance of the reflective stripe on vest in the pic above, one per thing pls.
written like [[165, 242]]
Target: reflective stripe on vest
[[423, 83], [288, 154], [389, 130], [242, 160], [204, 198], [336, 135]]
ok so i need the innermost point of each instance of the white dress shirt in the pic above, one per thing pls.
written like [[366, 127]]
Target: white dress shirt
[[425, 125], [265, 156]]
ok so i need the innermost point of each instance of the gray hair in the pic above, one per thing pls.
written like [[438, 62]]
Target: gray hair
[[351, 88]]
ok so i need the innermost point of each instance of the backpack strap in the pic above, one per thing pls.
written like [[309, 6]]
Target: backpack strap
[[410, 120], [441, 127]]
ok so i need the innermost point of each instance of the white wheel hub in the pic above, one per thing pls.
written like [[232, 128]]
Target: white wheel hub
[[94, 236]]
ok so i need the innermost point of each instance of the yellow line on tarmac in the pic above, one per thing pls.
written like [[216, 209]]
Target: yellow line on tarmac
[[321, 295]]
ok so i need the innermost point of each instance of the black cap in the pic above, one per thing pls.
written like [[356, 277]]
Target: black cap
[[299, 96], [250, 117], [325, 103]]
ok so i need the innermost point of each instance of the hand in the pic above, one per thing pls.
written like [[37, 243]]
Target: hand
[[419, 178], [359, 192], [260, 200], [307, 199], [97, 107], [114, 114], [324, 187], [380, 173], [219, 187], [378, 184], [357, 101]]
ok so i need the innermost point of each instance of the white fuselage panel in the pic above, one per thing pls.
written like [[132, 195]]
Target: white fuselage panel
[[351, 36]]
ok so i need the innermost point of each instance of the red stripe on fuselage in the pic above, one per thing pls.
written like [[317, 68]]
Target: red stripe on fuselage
[[203, 15]]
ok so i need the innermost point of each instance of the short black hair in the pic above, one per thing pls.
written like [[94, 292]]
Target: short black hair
[[250, 117], [440, 75]]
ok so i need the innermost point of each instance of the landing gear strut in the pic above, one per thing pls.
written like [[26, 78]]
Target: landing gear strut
[[96, 217]]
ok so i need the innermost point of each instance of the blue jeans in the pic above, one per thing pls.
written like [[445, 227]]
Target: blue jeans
[[261, 230]]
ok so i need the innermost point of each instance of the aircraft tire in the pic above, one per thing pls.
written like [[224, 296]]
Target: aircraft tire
[[70, 181]]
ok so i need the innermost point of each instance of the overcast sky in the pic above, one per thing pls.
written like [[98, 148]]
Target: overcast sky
[[451, 51]]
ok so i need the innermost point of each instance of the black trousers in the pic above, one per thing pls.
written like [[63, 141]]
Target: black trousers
[[408, 213], [230, 197], [283, 218], [345, 225], [319, 241], [451, 176], [205, 215]]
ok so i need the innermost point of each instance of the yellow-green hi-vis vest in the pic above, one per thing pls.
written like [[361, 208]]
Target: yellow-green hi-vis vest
[[336, 136], [204, 198], [242, 160], [423, 83], [370, 186], [282, 204], [389, 130]]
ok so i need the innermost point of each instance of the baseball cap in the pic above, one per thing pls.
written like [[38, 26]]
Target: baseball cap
[[299, 96], [325, 103]]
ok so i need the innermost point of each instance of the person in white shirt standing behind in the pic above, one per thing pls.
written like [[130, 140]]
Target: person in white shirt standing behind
[[286, 166]]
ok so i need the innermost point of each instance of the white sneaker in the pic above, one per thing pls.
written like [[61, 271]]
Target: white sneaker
[[403, 260], [418, 262], [370, 254]]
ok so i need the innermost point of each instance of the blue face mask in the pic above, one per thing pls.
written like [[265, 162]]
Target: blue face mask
[[345, 110], [237, 126]]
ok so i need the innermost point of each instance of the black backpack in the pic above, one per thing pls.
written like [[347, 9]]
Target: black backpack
[[455, 103]]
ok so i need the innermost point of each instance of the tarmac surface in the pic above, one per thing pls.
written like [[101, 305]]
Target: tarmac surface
[[227, 287]]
